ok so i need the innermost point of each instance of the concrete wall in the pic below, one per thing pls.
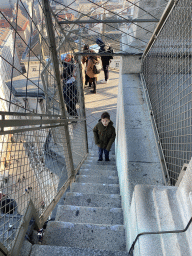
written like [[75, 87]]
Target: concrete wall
[[137, 156]]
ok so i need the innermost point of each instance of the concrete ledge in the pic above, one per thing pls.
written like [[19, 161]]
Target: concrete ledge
[[137, 156], [131, 64]]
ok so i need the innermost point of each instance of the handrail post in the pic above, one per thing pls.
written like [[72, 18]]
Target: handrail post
[[51, 37]]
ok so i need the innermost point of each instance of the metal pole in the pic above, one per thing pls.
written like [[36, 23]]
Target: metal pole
[[82, 100], [164, 17], [51, 36], [107, 21]]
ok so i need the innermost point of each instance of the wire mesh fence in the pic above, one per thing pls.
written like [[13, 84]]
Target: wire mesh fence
[[167, 73], [43, 129]]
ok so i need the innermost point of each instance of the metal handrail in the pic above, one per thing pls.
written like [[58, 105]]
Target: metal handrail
[[4, 253], [157, 233]]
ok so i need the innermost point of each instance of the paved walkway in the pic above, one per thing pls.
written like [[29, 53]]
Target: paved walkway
[[104, 100]]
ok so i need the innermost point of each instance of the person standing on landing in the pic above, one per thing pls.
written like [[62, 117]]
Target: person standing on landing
[[105, 59], [92, 60], [104, 135]]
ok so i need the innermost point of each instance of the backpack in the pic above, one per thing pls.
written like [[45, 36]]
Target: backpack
[[97, 67]]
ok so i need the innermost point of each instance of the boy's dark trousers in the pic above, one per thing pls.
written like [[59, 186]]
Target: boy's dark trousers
[[106, 152]]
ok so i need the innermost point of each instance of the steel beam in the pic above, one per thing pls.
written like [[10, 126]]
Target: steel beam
[[107, 21], [109, 54]]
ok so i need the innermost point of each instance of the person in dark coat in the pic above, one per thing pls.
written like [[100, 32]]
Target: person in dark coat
[[104, 135], [69, 86], [105, 59], [68, 67]]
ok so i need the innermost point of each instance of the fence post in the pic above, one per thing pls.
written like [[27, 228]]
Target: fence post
[[82, 101], [54, 53]]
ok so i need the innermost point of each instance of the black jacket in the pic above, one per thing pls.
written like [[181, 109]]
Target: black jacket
[[105, 59], [104, 135]]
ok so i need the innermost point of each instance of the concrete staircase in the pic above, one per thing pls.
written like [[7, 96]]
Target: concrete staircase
[[158, 208], [89, 221]]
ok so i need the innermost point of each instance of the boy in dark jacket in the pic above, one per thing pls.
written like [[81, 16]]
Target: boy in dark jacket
[[104, 134]]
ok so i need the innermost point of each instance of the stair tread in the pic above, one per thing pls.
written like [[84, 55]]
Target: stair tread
[[95, 188], [93, 200], [99, 165], [85, 235], [169, 218], [98, 172], [90, 223], [97, 179], [42, 250], [157, 210], [94, 215]]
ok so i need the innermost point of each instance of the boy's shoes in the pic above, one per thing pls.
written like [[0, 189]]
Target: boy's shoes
[[100, 160], [107, 160], [92, 91]]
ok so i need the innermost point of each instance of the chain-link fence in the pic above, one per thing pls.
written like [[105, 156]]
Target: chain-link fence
[[167, 69], [43, 129]]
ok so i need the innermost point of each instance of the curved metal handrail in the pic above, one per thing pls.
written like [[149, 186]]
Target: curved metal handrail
[[157, 233]]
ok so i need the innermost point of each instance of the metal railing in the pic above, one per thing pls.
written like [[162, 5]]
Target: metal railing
[[167, 72], [43, 138]]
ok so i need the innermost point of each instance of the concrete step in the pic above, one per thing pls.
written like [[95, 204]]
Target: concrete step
[[98, 172], [97, 188], [157, 210], [93, 215], [97, 179], [94, 160], [169, 218], [146, 221], [91, 200], [99, 166], [47, 250], [105, 237]]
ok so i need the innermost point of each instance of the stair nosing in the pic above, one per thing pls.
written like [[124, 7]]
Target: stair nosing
[[118, 209], [91, 225], [81, 194]]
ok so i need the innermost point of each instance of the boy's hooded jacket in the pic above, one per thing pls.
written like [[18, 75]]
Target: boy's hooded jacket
[[104, 135]]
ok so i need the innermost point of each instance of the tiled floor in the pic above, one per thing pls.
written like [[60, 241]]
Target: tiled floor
[[104, 100]]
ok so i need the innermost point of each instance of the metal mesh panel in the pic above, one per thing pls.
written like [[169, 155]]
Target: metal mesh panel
[[42, 144], [167, 73]]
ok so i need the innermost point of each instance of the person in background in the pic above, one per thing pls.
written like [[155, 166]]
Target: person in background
[[69, 85], [104, 135], [105, 59], [92, 60], [85, 61], [68, 66]]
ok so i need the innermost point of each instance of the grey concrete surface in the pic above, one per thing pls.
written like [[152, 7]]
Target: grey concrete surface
[[137, 155], [91, 200], [42, 250], [104, 173], [104, 100], [85, 236], [91, 188], [100, 165], [94, 215], [97, 179], [26, 248]]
